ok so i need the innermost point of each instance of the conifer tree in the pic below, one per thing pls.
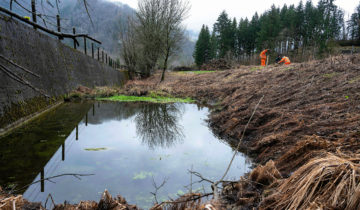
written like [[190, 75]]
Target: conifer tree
[[202, 47], [222, 29], [354, 24]]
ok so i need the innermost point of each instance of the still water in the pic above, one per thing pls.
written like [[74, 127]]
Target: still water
[[126, 146]]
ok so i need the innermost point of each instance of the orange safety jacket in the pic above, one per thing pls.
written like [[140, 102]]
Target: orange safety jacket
[[263, 54], [286, 60]]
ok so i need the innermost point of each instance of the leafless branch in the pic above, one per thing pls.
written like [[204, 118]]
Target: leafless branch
[[157, 188], [52, 200], [57, 6], [87, 11], [20, 67], [193, 197], [201, 177], [21, 80], [215, 185], [52, 177]]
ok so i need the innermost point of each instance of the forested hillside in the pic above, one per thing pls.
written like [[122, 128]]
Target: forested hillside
[[104, 24]]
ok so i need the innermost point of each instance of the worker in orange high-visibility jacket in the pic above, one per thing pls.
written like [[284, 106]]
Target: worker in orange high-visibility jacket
[[286, 60], [263, 57]]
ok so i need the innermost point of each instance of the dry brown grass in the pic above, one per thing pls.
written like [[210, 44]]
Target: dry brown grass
[[265, 175], [329, 182]]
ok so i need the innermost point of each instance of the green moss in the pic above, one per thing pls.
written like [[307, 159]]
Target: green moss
[[354, 80], [255, 68], [23, 109], [96, 149], [196, 72], [330, 75], [151, 98]]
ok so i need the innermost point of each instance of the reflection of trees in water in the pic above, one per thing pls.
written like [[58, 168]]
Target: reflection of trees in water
[[158, 124]]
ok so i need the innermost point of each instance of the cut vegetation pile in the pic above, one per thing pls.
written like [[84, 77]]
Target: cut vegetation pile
[[10, 202], [216, 64], [329, 182]]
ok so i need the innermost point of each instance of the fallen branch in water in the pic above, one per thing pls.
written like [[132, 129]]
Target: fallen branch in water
[[201, 177], [193, 197], [52, 177], [215, 185], [157, 188], [52, 200]]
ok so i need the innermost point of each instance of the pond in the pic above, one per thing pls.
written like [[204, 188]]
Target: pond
[[127, 147]]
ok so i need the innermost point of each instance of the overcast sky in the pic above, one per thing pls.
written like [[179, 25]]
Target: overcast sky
[[207, 11]]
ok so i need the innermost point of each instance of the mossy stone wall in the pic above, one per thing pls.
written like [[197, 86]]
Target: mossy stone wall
[[60, 67]]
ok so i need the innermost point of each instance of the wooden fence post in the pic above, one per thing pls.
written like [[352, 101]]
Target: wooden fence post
[[58, 25], [92, 50], [85, 45], [11, 1], [106, 58], [98, 53], [63, 151], [42, 184], [74, 32], [102, 54], [33, 11]]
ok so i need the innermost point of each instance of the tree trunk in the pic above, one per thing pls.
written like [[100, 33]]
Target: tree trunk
[[165, 65], [130, 74]]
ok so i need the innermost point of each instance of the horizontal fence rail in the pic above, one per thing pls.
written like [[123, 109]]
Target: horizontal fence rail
[[108, 60]]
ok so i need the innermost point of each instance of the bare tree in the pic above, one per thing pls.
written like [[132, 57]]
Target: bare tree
[[155, 32], [149, 32], [129, 50], [175, 11]]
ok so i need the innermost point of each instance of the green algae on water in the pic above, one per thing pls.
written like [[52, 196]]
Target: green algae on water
[[96, 149], [153, 99], [142, 175]]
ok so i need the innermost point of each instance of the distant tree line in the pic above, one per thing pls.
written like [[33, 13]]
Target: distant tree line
[[298, 30]]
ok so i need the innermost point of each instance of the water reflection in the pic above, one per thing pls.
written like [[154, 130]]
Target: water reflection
[[158, 125], [123, 144], [25, 151]]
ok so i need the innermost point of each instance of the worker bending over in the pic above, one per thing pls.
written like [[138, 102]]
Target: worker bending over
[[263, 57], [285, 60]]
